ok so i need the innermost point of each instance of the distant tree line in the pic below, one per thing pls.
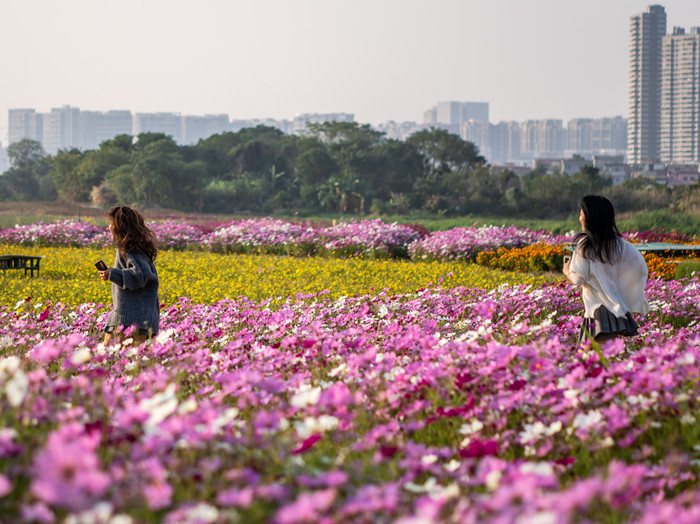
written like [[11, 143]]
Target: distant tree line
[[345, 168]]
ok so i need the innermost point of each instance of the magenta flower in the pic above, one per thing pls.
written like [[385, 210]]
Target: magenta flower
[[307, 444], [67, 471], [478, 448]]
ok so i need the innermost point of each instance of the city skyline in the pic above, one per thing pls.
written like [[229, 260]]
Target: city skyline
[[273, 59], [518, 143]]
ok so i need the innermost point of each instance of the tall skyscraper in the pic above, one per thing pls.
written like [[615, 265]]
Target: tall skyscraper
[[167, 123], [647, 31], [4, 160], [196, 128], [453, 115], [61, 129], [587, 136], [480, 134], [98, 126], [543, 138], [24, 123], [680, 97]]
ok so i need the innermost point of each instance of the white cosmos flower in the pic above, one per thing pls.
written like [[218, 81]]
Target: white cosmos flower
[[311, 425], [588, 420], [9, 365], [16, 388], [471, 427], [160, 406], [80, 356], [308, 396]]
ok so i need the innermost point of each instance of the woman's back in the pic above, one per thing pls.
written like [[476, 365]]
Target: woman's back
[[618, 285]]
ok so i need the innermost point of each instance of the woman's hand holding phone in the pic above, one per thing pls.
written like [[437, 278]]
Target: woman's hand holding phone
[[102, 269]]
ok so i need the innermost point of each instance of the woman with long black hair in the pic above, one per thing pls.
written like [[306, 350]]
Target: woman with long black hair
[[612, 274], [134, 277]]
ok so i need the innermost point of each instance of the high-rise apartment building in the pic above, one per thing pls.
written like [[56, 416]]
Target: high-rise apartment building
[[507, 142], [4, 160], [453, 115], [98, 126], [480, 134], [647, 31], [680, 97], [24, 123], [587, 136], [543, 137], [195, 128], [167, 123], [61, 129]]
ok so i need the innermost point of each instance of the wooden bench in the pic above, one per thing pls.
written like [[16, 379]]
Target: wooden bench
[[28, 263]]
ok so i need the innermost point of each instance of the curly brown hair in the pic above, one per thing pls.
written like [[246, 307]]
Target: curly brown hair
[[131, 233]]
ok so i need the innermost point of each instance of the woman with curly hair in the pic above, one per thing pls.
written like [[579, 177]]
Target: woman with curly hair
[[134, 277], [610, 272]]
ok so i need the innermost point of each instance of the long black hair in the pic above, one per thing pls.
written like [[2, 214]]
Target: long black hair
[[600, 238]]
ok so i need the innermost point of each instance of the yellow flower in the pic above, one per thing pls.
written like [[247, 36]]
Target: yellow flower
[[68, 275]]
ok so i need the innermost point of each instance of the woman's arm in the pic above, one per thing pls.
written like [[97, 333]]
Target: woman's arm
[[576, 270], [567, 271], [135, 275]]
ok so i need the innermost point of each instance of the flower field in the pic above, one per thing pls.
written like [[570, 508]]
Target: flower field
[[68, 276], [292, 390], [372, 239], [546, 257]]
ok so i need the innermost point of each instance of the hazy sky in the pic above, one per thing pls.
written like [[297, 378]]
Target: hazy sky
[[379, 59]]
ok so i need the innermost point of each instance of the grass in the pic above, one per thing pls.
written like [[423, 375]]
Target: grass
[[688, 224], [686, 269]]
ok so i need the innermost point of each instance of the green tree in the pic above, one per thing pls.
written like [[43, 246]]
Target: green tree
[[354, 148], [313, 168], [28, 178], [156, 174], [64, 173], [444, 151], [25, 154], [361, 135], [402, 166]]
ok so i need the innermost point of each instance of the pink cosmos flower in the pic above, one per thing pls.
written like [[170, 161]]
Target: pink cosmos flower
[[5, 485], [372, 499], [241, 498], [326, 480], [66, 470], [38, 512], [46, 351], [158, 495], [486, 309], [336, 395], [307, 507], [157, 491]]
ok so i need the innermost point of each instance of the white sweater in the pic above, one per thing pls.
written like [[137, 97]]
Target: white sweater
[[618, 286]]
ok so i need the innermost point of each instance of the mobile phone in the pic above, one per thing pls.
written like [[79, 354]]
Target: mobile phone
[[100, 265]]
